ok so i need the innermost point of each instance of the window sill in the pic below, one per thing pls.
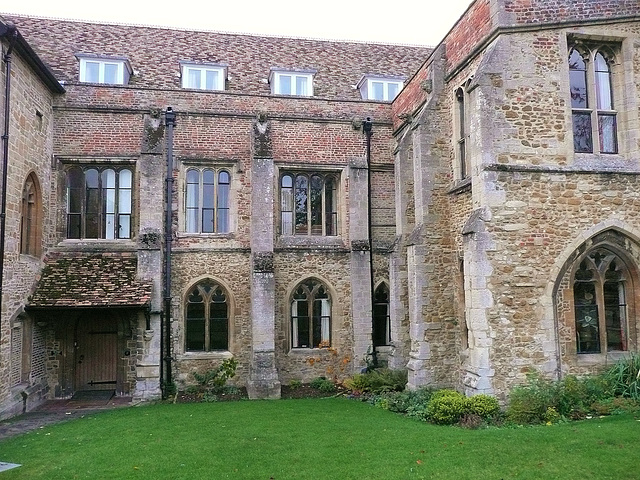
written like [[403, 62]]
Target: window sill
[[98, 243], [310, 241], [205, 235], [308, 351], [219, 354], [460, 185], [601, 358], [608, 162]]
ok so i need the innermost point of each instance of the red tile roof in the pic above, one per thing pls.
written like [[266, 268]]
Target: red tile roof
[[90, 280]]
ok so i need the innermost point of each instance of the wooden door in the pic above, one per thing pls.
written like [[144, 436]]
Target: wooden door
[[96, 353]]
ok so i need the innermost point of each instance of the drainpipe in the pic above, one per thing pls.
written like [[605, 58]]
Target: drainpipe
[[12, 32], [367, 126], [170, 123]]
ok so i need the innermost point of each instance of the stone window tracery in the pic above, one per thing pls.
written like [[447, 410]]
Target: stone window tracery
[[207, 200], [381, 318], [308, 204], [310, 315], [592, 101], [207, 318], [600, 303], [31, 217], [99, 202]]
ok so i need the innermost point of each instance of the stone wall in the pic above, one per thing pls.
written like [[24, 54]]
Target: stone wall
[[30, 149]]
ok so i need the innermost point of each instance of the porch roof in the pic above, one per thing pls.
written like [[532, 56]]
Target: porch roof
[[90, 280]]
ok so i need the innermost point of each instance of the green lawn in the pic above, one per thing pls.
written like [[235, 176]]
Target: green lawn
[[315, 439]]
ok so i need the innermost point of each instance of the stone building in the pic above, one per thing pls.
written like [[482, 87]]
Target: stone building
[[467, 212]]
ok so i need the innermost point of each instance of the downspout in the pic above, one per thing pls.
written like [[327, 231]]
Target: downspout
[[367, 129], [165, 347], [12, 32]]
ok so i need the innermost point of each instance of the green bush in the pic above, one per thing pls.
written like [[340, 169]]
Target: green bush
[[295, 384], [323, 384], [214, 380], [446, 407], [378, 381], [624, 377], [528, 403], [485, 406]]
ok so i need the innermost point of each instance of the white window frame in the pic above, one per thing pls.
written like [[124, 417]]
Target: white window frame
[[275, 79], [365, 85], [221, 70], [123, 73]]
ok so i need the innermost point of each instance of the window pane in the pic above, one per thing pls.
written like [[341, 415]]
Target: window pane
[[92, 205], [331, 207], [124, 200], [286, 204], [614, 321], [301, 86], [124, 178], [193, 78], [377, 91], [223, 202], [211, 82], [92, 72], [578, 80], [301, 198], [285, 84], [111, 73], [607, 133], [124, 223], [218, 327], [586, 313], [316, 205], [208, 179], [394, 88], [207, 220], [582, 136], [301, 325], [191, 201], [603, 83]]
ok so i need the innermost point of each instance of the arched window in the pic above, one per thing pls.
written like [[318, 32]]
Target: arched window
[[600, 303], [593, 111], [308, 204], [461, 133], [310, 315], [207, 201], [31, 217], [99, 202], [207, 318], [381, 323]]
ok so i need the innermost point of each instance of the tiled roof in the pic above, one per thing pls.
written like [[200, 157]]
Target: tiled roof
[[155, 55], [90, 280]]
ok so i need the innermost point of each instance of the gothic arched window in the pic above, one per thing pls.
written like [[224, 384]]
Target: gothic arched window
[[310, 315], [600, 303], [207, 318], [31, 217]]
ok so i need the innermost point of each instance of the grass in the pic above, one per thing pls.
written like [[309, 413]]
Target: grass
[[314, 439]]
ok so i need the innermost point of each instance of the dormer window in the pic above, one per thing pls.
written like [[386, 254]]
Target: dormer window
[[107, 70], [382, 89], [203, 76], [292, 82]]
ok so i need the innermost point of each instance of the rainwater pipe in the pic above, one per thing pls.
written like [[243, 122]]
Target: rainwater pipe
[[10, 31], [367, 126], [165, 346]]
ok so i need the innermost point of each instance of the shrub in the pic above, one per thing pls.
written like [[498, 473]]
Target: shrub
[[323, 384], [214, 380], [528, 403], [378, 381], [624, 377], [446, 407], [484, 406], [295, 384]]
